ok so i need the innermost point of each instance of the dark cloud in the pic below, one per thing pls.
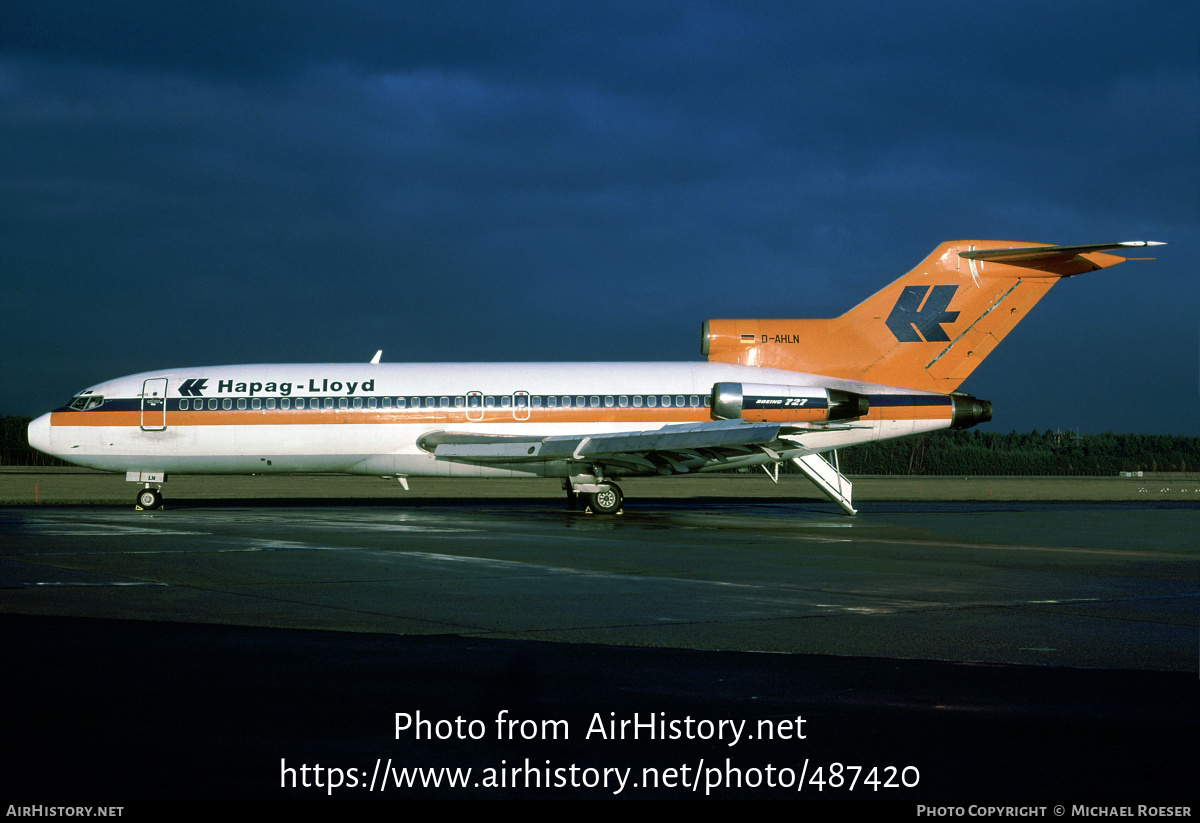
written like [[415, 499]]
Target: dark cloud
[[312, 181]]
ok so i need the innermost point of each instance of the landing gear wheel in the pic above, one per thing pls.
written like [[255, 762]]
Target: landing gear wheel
[[149, 499], [607, 500]]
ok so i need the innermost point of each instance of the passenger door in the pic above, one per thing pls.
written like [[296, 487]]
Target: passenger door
[[154, 404]]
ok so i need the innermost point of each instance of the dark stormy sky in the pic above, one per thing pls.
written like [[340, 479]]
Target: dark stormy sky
[[207, 183]]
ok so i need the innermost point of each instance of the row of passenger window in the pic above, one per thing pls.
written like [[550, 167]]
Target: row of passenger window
[[471, 401]]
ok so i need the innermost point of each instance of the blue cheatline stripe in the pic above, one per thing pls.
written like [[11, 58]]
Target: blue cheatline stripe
[[908, 400], [123, 404]]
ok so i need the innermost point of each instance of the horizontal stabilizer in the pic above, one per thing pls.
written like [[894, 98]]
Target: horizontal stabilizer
[[1065, 260]]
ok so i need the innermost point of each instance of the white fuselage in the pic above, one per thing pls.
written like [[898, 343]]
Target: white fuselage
[[367, 418]]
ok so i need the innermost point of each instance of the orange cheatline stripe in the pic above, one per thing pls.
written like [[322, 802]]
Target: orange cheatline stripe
[[781, 416], [910, 413]]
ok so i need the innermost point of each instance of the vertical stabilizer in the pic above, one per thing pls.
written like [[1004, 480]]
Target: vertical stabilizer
[[929, 329]]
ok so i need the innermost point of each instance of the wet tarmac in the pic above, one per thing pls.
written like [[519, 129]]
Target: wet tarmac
[[1006, 652]]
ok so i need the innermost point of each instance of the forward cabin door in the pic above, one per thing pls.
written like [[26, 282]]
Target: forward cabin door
[[154, 404]]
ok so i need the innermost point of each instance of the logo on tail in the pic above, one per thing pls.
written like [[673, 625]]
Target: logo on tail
[[909, 316]]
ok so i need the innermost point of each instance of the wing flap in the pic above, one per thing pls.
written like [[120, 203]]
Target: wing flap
[[498, 448]]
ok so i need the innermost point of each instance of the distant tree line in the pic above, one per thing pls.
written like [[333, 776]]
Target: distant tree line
[[1036, 453], [943, 452], [14, 445]]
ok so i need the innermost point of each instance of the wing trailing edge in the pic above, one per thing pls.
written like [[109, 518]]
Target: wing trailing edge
[[499, 448]]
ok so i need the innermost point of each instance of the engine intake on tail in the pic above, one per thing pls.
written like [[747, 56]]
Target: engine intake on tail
[[763, 402]]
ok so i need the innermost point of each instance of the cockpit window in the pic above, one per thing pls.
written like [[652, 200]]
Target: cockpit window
[[87, 402]]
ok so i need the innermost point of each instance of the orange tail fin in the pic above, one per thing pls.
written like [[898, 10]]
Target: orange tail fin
[[929, 329]]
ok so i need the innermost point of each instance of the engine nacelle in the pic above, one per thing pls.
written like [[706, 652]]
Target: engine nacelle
[[762, 402], [969, 411]]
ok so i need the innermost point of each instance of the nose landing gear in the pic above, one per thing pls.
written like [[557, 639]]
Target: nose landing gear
[[149, 499]]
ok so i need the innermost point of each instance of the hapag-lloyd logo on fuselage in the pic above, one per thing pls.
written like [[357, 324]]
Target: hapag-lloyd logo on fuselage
[[920, 312], [195, 386]]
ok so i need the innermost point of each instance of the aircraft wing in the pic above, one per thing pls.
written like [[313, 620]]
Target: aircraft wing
[[668, 450]]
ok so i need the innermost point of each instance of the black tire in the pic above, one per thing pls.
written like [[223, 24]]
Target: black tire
[[150, 499], [607, 500]]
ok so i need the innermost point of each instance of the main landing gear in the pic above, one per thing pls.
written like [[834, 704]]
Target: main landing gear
[[607, 500], [604, 497]]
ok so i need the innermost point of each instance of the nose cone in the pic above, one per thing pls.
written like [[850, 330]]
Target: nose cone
[[39, 434]]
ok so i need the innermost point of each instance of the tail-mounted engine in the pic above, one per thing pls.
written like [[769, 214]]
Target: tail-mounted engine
[[766, 403]]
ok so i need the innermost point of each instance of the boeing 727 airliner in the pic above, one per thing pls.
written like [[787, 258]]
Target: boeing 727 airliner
[[771, 391]]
